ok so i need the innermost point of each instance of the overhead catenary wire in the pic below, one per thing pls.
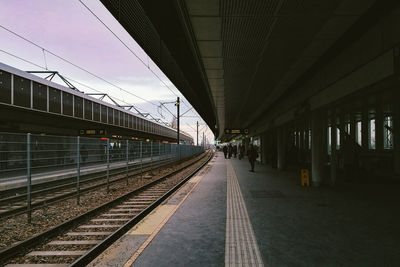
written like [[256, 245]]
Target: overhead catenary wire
[[204, 126], [127, 47], [191, 127], [27, 61], [163, 104], [80, 83], [75, 65]]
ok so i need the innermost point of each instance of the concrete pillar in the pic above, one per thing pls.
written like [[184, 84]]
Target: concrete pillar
[[334, 154], [341, 129], [352, 126], [364, 129], [301, 137], [379, 128], [281, 149], [307, 145], [396, 138], [317, 148], [263, 148], [306, 129]]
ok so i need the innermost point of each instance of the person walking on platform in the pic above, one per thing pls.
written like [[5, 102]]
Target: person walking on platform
[[235, 150], [225, 150], [241, 151], [252, 155], [230, 150]]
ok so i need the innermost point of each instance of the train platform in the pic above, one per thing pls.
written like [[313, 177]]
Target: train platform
[[229, 216], [52, 174]]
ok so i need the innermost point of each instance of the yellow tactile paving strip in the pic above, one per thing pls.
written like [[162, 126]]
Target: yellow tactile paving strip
[[241, 247], [195, 179], [149, 224], [154, 222]]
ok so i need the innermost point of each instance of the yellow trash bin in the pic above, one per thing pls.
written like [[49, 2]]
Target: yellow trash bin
[[305, 177]]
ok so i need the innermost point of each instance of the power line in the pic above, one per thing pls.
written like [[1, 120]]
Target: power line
[[73, 64], [81, 68], [27, 61], [82, 84], [191, 127], [127, 47], [204, 126]]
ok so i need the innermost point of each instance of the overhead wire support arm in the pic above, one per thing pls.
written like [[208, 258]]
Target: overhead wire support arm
[[127, 47], [69, 84], [127, 107], [51, 75], [162, 104], [130, 107], [186, 111], [72, 64], [103, 95]]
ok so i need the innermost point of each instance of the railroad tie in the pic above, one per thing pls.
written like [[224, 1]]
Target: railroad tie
[[121, 210], [116, 214], [57, 253], [139, 201], [133, 206], [74, 242], [91, 226], [88, 233], [109, 220]]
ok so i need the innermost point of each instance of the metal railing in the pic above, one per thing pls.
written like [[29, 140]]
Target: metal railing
[[27, 158]]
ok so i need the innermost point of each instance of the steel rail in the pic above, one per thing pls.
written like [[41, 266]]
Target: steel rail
[[102, 246], [39, 204], [21, 191], [23, 247]]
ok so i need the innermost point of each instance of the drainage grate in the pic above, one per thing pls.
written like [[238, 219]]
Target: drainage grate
[[266, 194]]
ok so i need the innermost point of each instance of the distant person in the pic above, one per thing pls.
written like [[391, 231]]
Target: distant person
[[84, 153], [241, 151], [252, 155], [225, 150], [235, 150], [230, 150]]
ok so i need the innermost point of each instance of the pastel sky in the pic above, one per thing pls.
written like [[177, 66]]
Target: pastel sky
[[69, 30]]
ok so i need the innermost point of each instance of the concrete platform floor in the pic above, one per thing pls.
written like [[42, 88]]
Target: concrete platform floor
[[351, 225]]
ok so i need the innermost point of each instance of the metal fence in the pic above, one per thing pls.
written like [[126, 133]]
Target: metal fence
[[31, 157]]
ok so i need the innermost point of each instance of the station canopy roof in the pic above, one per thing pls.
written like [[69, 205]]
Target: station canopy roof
[[235, 60]]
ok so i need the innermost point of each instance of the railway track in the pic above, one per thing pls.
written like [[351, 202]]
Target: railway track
[[13, 201], [78, 241]]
